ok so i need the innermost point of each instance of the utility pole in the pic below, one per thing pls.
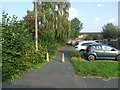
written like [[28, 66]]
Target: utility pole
[[36, 26]]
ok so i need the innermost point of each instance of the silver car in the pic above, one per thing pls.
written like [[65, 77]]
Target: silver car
[[100, 51]]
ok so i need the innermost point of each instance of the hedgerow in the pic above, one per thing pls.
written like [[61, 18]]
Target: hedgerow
[[18, 52]]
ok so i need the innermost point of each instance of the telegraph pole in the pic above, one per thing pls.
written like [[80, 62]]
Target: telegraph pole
[[36, 26]]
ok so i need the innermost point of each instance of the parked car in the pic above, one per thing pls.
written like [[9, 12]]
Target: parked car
[[100, 51], [73, 42], [69, 42], [76, 42], [81, 46]]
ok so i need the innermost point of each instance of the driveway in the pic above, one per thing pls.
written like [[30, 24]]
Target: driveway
[[57, 74]]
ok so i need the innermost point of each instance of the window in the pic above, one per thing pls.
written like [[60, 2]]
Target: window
[[106, 48], [85, 44], [97, 47]]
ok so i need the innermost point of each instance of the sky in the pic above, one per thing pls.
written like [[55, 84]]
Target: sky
[[93, 14]]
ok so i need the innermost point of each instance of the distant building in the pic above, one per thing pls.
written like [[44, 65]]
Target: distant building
[[84, 34]]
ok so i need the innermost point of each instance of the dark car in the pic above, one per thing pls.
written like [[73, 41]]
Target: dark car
[[100, 51]]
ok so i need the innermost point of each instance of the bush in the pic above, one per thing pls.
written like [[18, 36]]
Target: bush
[[49, 43], [76, 54], [16, 42], [18, 52], [89, 37]]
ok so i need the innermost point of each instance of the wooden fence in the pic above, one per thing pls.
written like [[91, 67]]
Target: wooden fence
[[116, 44]]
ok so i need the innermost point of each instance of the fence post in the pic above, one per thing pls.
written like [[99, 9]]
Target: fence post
[[47, 57], [63, 58]]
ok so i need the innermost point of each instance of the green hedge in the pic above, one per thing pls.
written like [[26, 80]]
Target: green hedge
[[18, 52]]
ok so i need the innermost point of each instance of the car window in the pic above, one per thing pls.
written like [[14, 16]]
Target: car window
[[97, 47], [85, 44], [104, 42], [107, 48]]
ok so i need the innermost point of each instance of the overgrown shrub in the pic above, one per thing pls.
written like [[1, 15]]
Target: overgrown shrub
[[75, 54], [48, 42], [18, 47], [16, 42]]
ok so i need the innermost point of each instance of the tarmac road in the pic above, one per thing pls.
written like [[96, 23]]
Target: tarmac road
[[57, 74]]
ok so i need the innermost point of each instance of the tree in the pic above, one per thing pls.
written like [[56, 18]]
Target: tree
[[89, 37], [52, 17], [95, 36], [110, 31], [62, 30], [76, 27]]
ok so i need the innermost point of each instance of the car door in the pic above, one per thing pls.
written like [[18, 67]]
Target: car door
[[109, 51]]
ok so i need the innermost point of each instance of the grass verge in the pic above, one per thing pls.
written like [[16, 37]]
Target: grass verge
[[106, 69]]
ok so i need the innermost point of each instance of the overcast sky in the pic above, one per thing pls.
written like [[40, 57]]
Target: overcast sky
[[92, 14]]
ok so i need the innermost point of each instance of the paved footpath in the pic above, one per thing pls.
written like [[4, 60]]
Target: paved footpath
[[59, 75]]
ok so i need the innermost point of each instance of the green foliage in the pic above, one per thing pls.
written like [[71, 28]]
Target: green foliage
[[51, 19], [96, 69], [76, 27], [110, 31], [92, 37], [75, 54], [89, 37], [18, 40], [48, 42], [17, 48], [63, 28], [95, 37]]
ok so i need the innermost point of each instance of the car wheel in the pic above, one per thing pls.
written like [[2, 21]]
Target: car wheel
[[118, 58], [81, 52], [91, 57]]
